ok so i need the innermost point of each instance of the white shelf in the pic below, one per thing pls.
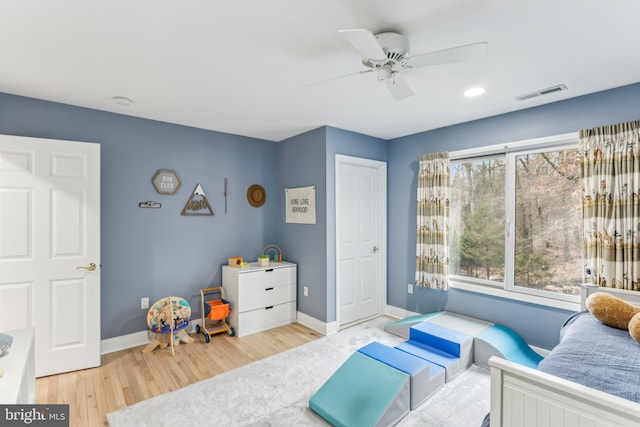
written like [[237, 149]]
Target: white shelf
[[18, 384]]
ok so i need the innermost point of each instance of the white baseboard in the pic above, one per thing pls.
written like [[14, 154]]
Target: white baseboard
[[136, 339], [333, 327], [317, 325], [399, 313], [124, 342]]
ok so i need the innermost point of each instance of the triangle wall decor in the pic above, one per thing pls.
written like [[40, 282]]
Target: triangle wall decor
[[197, 204]]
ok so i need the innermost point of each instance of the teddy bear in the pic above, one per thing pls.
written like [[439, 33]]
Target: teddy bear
[[615, 312]]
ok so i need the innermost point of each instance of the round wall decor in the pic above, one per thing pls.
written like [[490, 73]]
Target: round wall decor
[[256, 195]]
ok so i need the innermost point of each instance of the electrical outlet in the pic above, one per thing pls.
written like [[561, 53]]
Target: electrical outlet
[[409, 288], [144, 303], [306, 291]]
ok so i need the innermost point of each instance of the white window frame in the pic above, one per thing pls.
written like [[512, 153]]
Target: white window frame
[[508, 289]]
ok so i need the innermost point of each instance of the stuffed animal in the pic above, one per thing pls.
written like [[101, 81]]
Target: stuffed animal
[[615, 312]]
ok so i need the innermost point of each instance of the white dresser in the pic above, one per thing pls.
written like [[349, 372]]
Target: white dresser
[[261, 297], [18, 385]]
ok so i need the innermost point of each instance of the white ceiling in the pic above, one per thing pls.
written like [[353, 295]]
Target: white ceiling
[[251, 67]]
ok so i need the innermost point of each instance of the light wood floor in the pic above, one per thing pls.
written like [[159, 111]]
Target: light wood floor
[[131, 376]]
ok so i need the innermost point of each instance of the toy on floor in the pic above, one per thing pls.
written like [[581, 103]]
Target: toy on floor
[[167, 319], [439, 347], [615, 312], [214, 313], [489, 339]]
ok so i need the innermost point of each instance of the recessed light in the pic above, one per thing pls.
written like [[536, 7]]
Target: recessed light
[[474, 91], [122, 100]]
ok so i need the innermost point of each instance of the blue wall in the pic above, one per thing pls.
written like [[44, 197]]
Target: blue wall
[[349, 144], [157, 252], [302, 164], [309, 159], [539, 325]]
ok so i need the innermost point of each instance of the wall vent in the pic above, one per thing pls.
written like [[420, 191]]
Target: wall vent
[[541, 92]]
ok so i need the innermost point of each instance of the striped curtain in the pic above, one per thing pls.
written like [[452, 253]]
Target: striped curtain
[[610, 162], [432, 237]]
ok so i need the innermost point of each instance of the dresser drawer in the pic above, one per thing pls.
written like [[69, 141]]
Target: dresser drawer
[[268, 278], [264, 297], [265, 318]]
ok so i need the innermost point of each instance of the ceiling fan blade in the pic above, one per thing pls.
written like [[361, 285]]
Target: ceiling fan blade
[[330, 79], [471, 52], [399, 87], [366, 43]]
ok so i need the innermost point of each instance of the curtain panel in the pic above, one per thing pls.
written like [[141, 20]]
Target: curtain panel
[[610, 163], [432, 237]]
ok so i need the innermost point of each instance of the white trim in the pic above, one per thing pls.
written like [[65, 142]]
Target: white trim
[[516, 296], [123, 342], [399, 313], [632, 297], [381, 273], [317, 325], [526, 144], [508, 289], [140, 338]]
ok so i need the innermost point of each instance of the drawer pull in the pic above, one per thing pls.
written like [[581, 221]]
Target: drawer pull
[[268, 289], [268, 308], [269, 270]]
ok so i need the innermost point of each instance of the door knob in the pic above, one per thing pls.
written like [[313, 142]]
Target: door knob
[[90, 267], [376, 249]]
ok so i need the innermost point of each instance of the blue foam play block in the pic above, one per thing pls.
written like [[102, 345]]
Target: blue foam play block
[[401, 327], [426, 377], [449, 362], [436, 336], [407, 363], [363, 392], [507, 344]]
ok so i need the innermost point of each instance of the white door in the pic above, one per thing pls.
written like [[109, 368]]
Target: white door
[[360, 238], [49, 231]]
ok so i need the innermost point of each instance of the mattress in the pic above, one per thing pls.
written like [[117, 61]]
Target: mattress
[[596, 355]]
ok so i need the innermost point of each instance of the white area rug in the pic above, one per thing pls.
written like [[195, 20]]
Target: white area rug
[[275, 391]]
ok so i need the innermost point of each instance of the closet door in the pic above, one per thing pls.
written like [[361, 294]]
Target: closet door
[[360, 238]]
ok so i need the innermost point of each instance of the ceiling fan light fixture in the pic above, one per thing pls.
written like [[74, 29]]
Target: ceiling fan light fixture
[[474, 91], [384, 73], [388, 55]]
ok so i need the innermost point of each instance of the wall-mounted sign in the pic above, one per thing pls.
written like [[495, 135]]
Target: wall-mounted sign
[[300, 205], [149, 204], [197, 203], [166, 181]]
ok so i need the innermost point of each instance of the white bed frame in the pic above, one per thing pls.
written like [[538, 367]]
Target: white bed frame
[[522, 396]]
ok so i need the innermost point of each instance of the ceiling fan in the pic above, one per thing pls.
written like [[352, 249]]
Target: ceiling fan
[[388, 54]]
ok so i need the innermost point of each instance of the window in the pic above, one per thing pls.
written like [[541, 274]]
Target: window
[[477, 225], [515, 218]]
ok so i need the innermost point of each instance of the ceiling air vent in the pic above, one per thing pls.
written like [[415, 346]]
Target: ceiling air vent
[[541, 92]]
